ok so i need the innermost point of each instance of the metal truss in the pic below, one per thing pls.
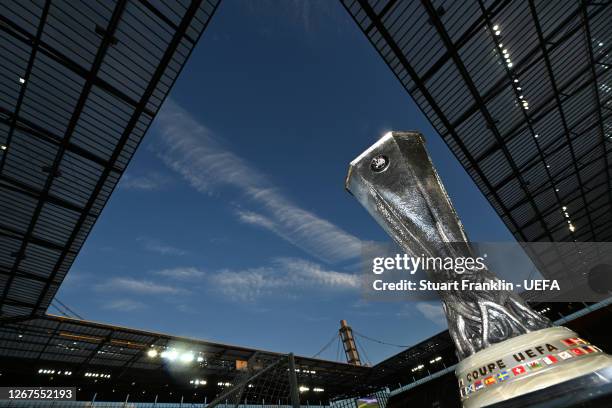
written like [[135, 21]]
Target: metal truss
[[471, 67]]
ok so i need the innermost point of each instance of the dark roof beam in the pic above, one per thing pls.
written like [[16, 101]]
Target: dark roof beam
[[544, 187], [95, 67], [527, 63], [596, 95], [478, 25], [24, 274], [17, 186], [535, 159], [437, 23], [56, 55], [94, 352], [49, 340], [542, 110], [421, 86], [164, 18], [566, 130], [576, 218], [10, 232], [35, 44], [517, 94], [140, 108], [31, 128]]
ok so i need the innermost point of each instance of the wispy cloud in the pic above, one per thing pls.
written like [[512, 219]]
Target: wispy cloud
[[182, 273], [139, 286], [147, 182], [432, 312], [124, 305], [193, 151], [286, 276], [154, 245]]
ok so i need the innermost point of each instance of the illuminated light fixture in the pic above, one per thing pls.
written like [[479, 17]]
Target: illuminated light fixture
[[317, 389], [564, 208], [572, 228], [152, 353], [497, 32], [548, 166], [251, 385], [566, 214], [600, 44], [2, 147], [169, 355], [21, 80], [187, 358], [435, 360], [509, 65], [496, 27], [520, 96], [557, 190], [501, 45], [536, 135], [516, 81], [303, 388], [200, 359]]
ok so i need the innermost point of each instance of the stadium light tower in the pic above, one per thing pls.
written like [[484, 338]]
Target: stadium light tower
[[348, 342]]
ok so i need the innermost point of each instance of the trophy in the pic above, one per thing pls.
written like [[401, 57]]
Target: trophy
[[506, 350]]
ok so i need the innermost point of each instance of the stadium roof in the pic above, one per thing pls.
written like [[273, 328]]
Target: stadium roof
[[81, 82], [521, 93], [82, 346]]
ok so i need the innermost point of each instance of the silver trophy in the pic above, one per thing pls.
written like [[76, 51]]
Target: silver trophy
[[505, 348]]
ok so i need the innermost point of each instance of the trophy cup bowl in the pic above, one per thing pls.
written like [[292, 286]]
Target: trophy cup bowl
[[507, 351]]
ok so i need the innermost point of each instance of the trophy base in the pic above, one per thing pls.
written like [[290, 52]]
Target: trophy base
[[525, 365], [593, 390]]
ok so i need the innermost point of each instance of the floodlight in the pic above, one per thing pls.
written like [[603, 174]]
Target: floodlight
[[187, 357]]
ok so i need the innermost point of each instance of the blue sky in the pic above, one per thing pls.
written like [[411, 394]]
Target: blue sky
[[231, 223]]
